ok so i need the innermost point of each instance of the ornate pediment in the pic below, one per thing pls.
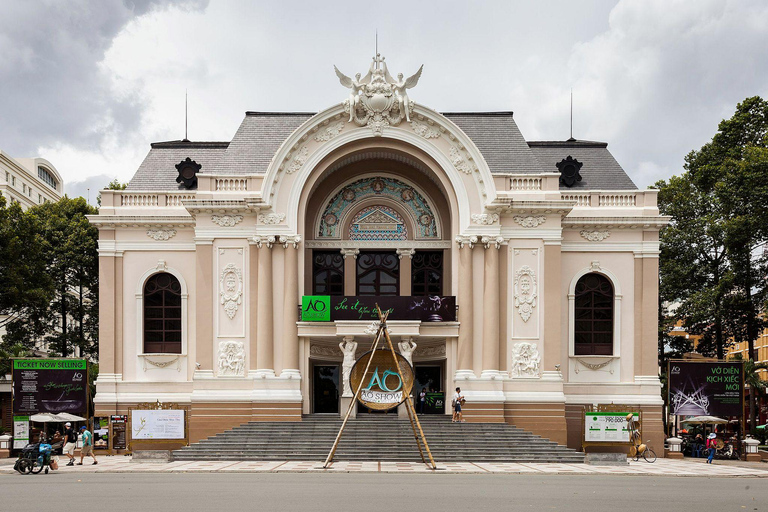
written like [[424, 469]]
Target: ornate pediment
[[377, 223]]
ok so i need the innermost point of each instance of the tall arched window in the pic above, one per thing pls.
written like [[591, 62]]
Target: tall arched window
[[593, 316], [327, 273], [162, 314]]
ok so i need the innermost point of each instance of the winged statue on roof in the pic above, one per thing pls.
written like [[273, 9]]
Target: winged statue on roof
[[377, 99]]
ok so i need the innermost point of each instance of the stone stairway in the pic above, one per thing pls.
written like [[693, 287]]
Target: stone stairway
[[378, 437]]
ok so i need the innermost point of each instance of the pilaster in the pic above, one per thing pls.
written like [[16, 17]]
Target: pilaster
[[290, 341], [264, 335], [466, 333], [491, 307], [204, 282], [406, 257]]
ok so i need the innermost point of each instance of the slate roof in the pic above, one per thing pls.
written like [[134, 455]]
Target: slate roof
[[158, 170], [600, 170], [498, 138], [494, 133]]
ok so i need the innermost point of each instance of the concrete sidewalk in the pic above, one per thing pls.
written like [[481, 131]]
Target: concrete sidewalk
[[662, 467]]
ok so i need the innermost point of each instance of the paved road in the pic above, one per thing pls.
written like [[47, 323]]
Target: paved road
[[213, 492]]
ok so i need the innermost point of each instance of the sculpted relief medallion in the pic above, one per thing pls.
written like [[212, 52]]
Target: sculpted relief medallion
[[525, 292], [231, 289], [232, 358]]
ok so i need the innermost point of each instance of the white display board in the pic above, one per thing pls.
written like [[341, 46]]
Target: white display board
[[20, 432], [608, 427], [157, 424]]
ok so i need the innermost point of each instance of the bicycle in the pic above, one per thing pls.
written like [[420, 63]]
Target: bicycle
[[642, 450]]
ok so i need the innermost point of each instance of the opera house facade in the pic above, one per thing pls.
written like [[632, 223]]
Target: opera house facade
[[239, 278]]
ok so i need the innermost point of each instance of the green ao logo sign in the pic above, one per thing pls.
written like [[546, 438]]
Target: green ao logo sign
[[316, 308], [381, 382]]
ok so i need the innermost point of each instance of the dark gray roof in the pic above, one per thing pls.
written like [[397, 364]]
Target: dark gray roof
[[257, 140], [494, 133], [600, 170], [498, 138], [158, 170]]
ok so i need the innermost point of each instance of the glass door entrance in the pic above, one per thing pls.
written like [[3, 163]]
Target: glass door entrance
[[326, 389]]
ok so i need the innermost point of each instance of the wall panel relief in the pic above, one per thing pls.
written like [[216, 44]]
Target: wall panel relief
[[523, 295], [230, 313], [526, 292], [231, 359], [525, 360]]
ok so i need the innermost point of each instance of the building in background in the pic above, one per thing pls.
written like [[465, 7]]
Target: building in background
[[29, 181], [548, 248]]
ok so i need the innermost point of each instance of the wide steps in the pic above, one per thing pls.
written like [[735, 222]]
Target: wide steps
[[377, 437]]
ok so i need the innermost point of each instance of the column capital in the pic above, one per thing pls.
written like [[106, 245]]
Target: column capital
[[405, 252], [293, 240], [267, 241], [463, 240], [492, 241], [350, 252]]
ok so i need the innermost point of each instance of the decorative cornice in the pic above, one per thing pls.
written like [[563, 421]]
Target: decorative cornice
[[595, 236], [485, 218], [141, 221], [226, 221], [530, 221], [271, 218], [377, 244], [634, 222], [161, 234]]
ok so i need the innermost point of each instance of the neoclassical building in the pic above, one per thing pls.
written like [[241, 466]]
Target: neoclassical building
[[524, 272]]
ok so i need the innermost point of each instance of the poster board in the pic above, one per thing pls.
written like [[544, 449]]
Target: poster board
[[46, 385], [706, 388], [607, 427], [157, 426], [20, 432], [118, 434]]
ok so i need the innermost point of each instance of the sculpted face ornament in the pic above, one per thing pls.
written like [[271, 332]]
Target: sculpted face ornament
[[378, 100]]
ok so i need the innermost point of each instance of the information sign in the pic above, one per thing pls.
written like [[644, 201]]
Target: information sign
[[20, 432], [706, 388], [607, 427], [118, 432], [157, 424], [50, 385]]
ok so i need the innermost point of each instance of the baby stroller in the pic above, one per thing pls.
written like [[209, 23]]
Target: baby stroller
[[36, 457]]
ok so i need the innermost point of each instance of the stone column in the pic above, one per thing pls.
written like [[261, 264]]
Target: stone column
[[290, 311], [406, 256], [465, 362], [491, 307], [253, 301], [204, 286], [350, 270], [107, 340], [119, 313], [650, 315], [264, 336], [552, 331]]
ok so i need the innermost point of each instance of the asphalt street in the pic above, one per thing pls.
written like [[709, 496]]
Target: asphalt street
[[150, 492]]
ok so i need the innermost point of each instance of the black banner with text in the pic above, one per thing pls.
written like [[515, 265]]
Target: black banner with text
[[709, 388], [324, 308]]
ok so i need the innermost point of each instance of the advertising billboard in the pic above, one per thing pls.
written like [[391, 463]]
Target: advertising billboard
[[50, 385], [325, 308], [711, 388]]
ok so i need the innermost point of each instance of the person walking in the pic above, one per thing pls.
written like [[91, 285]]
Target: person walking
[[458, 401], [423, 400], [711, 446], [87, 448], [70, 441]]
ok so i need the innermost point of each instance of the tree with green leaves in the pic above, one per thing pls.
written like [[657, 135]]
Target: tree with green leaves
[[712, 265]]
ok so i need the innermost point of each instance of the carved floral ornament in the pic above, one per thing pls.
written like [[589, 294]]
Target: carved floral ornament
[[425, 130], [226, 221], [161, 234], [526, 292], [485, 218], [299, 158], [231, 289], [271, 218], [530, 221], [232, 358], [330, 132], [324, 351], [461, 161], [595, 236]]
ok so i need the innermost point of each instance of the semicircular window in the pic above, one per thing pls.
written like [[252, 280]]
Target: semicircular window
[[378, 223], [162, 315]]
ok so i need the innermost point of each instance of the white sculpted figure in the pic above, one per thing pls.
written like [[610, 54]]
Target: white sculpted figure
[[525, 360], [355, 87], [407, 346], [349, 348], [232, 358], [401, 87]]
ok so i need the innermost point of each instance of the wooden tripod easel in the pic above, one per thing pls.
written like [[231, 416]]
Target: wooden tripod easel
[[414, 419]]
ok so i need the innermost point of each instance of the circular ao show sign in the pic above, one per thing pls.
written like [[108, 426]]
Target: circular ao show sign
[[382, 387]]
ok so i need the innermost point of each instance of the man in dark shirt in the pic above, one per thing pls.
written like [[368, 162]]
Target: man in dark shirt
[[70, 441]]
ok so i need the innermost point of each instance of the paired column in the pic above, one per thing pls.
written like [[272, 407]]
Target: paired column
[[405, 256], [350, 270], [491, 306], [290, 303], [264, 310], [465, 362]]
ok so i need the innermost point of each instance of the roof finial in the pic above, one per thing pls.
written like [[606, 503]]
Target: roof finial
[[186, 115], [571, 137]]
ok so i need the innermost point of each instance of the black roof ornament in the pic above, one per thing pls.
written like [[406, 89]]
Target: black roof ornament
[[569, 171], [188, 170]]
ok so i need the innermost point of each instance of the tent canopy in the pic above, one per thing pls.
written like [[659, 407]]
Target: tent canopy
[[705, 420]]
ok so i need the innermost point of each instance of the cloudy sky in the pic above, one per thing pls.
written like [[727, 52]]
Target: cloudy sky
[[88, 84]]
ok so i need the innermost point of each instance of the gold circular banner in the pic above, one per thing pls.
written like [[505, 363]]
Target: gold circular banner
[[382, 389]]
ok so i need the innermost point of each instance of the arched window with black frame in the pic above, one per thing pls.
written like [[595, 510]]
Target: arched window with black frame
[[427, 273], [162, 314], [593, 316], [327, 273]]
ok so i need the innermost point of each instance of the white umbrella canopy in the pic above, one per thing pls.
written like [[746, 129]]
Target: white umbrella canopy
[[65, 416], [45, 417], [705, 420]]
